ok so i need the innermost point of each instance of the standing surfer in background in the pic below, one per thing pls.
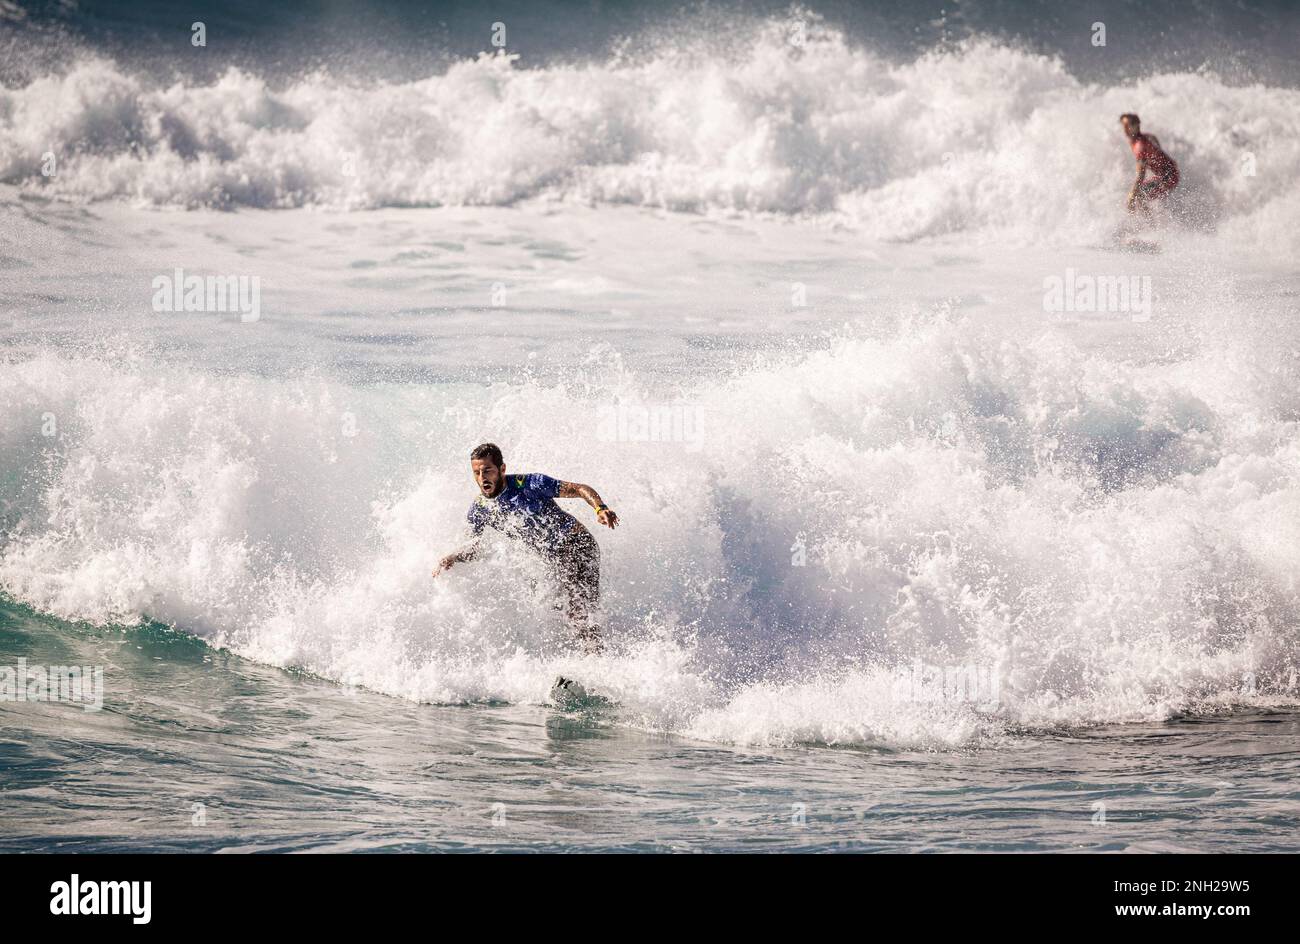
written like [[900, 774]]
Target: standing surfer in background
[[523, 506], [1150, 157]]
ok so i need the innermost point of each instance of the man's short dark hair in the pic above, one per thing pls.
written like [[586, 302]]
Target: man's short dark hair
[[1131, 117], [488, 451]]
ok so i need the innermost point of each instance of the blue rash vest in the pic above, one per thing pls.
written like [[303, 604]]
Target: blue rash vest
[[525, 508]]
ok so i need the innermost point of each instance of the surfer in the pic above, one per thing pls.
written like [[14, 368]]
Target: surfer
[[1150, 157], [523, 506]]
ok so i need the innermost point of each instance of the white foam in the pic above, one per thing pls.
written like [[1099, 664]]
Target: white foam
[[983, 137], [1118, 543]]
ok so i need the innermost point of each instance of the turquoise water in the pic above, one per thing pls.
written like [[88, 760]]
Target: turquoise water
[[284, 762]]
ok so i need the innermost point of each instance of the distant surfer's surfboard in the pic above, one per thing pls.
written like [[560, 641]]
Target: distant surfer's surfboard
[[1126, 239], [1130, 244], [1134, 244]]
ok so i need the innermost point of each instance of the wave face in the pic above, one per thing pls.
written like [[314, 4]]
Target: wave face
[[1106, 542], [980, 136]]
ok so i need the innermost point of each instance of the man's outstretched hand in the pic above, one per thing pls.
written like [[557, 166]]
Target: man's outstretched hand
[[607, 517], [444, 564]]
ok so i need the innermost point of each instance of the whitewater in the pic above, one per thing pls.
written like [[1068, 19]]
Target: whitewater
[[828, 263], [896, 150]]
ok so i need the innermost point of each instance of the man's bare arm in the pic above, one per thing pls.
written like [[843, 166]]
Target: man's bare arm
[[466, 553], [604, 514]]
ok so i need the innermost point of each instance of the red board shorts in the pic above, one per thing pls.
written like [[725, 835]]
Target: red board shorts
[[1155, 189]]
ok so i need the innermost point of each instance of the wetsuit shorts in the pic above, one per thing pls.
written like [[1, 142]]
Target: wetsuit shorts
[[576, 560]]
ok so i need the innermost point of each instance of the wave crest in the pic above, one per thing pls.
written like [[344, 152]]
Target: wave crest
[[973, 137]]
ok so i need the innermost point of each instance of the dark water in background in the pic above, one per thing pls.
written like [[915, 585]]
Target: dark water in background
[[1245, 42], [199, 750]]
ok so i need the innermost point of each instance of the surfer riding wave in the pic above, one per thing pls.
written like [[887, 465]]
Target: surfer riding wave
[[522, 506], [1150, 157]]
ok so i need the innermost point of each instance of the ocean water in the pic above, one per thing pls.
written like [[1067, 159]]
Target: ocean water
[[201, 751], [910, 559]]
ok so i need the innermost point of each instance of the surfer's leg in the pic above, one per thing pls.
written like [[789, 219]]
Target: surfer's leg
[[1144, 198], [1155, 189], [578, 564]]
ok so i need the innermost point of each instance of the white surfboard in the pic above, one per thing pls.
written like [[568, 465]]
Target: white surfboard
[[1134, 244], [568, 693]]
